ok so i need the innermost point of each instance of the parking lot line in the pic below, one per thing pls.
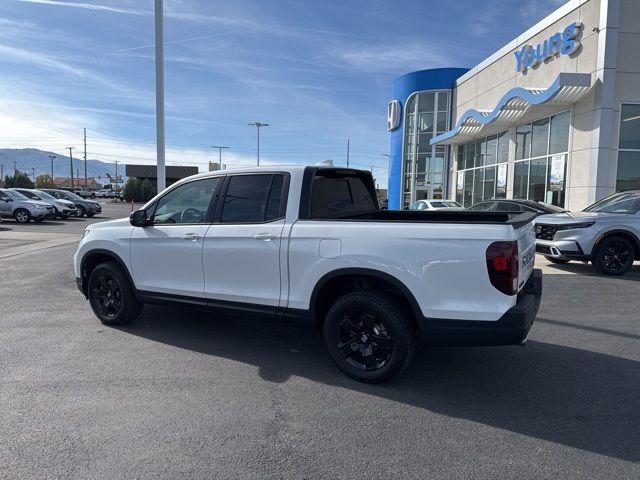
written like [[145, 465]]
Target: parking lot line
[[36, 241]]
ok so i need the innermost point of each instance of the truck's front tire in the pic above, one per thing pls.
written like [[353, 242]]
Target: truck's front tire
[[111, 295], [369, 336]]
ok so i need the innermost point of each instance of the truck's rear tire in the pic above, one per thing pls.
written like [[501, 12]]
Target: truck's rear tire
[[111, 295], [369, 336]]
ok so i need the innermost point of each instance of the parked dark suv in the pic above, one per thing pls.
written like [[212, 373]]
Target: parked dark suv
[[84, 207], [515, 206]]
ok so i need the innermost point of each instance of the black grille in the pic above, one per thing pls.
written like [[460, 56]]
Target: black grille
[[546, 232]]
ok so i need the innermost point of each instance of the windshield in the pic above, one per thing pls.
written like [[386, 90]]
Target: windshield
[[45, 195], [29, 194], [452, 204], [627, 203], [18, 197], [551, 208], [68, 195]]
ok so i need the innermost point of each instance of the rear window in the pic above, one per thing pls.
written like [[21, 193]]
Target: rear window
[[341, 193]]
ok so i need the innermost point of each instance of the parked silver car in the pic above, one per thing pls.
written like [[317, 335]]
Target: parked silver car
[[606, 233], [63, 208], [16, 205], [433, 204]]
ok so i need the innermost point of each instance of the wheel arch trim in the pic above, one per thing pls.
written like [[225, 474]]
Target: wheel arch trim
[[324, 280], [618, 231], [112, 255]]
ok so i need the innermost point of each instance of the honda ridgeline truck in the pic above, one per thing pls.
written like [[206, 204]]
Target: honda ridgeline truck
[[311, 244]]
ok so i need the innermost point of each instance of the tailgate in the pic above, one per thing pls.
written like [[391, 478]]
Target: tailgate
[[526, 252]]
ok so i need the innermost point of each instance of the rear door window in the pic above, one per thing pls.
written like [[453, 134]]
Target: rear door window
[[341, 193], [253, 199]]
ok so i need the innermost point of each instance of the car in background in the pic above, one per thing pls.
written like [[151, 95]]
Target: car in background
[[84, 207], [106, 193], [16, 205], [432, 204], [84, 192], [63, 208], [515, 206], [606, 233]]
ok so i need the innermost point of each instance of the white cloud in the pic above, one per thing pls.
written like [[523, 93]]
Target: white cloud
[[399, 58], [88, 6]]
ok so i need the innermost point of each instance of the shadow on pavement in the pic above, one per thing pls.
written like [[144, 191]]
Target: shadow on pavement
[[568, 396], [633, 274]]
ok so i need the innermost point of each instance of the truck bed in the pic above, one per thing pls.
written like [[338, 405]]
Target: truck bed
[[408, 216]]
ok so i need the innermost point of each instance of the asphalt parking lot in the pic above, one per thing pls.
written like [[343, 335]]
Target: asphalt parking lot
[[186, 394]]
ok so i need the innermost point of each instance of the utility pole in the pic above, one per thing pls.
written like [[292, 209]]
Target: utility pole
[[15, 169], [220, 154], [160, 96], [33, 173], [1, 174], [258, 125], [52, 158], [85, 158], [71, 163], [348, 142], [117, 174]]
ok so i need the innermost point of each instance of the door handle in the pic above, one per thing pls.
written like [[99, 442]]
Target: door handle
[[264, 236], [190, 236]]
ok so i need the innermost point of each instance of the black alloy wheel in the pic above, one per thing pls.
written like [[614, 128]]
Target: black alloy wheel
[[111, 296], [364, 341], [369, 336], [614, 256], [106, 295]]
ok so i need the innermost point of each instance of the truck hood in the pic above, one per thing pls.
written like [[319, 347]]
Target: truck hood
[[575, 217], [119, 222]]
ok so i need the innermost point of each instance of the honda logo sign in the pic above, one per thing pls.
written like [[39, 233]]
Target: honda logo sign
[[393, 115]]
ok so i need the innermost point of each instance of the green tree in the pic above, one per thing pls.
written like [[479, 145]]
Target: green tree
[[131, 190], [44, 181], [147, 191], [19, 180]]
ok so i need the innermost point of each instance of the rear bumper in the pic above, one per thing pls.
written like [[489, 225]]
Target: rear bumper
[[511, 329]]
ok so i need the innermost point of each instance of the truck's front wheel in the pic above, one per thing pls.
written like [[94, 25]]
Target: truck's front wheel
[[369, 336]]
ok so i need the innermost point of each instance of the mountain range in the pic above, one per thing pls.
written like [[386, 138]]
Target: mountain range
[[30, 160]]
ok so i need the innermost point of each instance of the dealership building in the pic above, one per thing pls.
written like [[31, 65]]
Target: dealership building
[[553, 116]]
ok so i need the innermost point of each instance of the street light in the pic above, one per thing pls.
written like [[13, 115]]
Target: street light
[[220, 154], [258, 125], [52, 158]]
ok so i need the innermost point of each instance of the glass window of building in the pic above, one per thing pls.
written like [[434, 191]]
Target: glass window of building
[[424, 166], [541, 159], [628, 175], [482, 169]]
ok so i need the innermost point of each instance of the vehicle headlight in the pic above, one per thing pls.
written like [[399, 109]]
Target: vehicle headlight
[[87, 231], [40, 205], [572, 226]]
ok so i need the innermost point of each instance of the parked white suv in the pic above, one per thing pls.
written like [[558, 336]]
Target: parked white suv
[[310, 243]]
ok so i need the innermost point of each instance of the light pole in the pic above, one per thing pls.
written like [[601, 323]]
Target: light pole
[[258, 125], [161, 175], [220, 154], [52, 158], [71, 163]]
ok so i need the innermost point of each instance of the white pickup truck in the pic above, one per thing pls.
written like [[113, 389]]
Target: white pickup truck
[[311, 244]]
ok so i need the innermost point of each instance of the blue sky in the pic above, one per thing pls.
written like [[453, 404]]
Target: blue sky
[[317, 72]]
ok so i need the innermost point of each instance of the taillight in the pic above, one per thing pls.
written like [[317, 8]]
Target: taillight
[[502, 265]]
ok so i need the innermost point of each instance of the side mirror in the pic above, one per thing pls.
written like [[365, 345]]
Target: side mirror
[[139, 218]]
